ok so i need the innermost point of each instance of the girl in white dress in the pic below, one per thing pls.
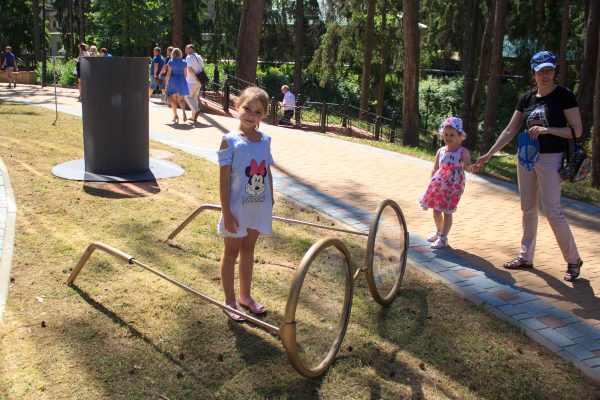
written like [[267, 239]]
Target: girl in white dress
[[246, 191]]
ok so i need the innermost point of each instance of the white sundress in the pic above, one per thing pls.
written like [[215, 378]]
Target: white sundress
[[250, 198]]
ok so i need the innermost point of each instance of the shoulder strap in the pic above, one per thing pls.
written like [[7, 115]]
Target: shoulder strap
[[195, 55]]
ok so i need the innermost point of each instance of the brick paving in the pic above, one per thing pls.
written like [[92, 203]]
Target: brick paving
[[347, 180]]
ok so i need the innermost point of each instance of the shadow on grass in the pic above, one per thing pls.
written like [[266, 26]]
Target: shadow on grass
[[15, 104], [125, 190], [133, 331]]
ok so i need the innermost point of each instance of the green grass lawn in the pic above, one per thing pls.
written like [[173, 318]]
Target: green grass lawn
[[122, 333]]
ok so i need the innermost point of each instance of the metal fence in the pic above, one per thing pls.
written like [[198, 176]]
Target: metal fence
[[321, 116]]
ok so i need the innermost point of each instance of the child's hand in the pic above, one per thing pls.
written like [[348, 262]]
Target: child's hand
[[479, 163], [231, 224]]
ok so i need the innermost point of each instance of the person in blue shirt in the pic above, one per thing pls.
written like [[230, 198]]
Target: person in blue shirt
[[9, 65], [176, 85], [105, 53], [155, 68]]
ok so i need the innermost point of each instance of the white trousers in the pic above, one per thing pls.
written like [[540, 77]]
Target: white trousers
[[192, 98], [543, 184]]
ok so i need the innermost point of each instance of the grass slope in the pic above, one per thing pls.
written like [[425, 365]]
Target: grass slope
[[121, 333]]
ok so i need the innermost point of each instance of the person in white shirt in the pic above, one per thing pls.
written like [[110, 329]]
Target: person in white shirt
[[288, 104], [195, 64]]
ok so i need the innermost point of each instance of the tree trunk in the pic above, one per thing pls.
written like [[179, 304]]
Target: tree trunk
[[248, 43], [596, 137], [484, 67], [72, 49], [587, 76], [37, 38], [81, 13], [410, 89], [177, 23], [299, 33], [468, 62], [384, 56], [493, 87], [365, 89], [564, 36], [127, 29]]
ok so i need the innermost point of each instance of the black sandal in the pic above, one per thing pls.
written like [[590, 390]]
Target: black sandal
[[517, 263], [573, 271]]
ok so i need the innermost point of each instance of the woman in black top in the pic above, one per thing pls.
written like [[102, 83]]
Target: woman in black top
[[549, 113]]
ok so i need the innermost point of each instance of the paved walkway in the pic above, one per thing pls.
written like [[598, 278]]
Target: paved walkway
[[347, 180]]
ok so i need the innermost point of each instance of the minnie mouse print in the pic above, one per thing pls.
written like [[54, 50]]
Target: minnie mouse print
[[256, 182]]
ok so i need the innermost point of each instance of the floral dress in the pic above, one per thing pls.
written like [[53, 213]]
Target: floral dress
[[447, 183]]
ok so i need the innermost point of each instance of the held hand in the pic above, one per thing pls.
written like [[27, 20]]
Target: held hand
[[231, 224], [536, 131], [479, 163]]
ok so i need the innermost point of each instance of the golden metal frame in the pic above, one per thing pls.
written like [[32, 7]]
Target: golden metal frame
[[131, 260], [287, 331], [215, 207], [288, 328], [386, 299]]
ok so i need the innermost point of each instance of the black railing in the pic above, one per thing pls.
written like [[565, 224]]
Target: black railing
[[325, 117]]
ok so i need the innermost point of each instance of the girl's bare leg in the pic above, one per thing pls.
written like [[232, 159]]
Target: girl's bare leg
[[447, 224], [247, 264], [230, 253], [438, 218]]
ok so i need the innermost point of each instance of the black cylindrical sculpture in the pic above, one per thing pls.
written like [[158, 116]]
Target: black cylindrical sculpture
[[114, 97], [116, 142]]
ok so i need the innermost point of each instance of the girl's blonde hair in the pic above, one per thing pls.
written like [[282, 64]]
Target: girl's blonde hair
[[251, 93], [176, 53]]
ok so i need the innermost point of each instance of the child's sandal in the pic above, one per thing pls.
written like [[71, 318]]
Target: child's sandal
[[232, 316], [433, 237], [517, 263], [255, 307], [573, 271]]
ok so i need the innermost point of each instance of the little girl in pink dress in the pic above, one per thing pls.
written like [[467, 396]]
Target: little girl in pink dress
[[447, 180]]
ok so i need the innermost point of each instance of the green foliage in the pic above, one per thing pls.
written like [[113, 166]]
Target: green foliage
[[211, 25], [128, 27], [273, 78], [439, 98], [443, 35], [64, 70], [16, 25]]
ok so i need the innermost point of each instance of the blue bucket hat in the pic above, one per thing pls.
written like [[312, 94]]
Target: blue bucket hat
[[543, 59], [529, 150]]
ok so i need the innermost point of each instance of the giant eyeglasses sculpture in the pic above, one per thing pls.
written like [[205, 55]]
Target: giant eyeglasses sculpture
[[385, 262]]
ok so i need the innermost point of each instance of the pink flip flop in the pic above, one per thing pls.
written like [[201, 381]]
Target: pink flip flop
[[255, 307], [232, 316]]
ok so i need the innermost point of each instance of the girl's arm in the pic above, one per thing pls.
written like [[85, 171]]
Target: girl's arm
[[505, 137], [231, 224], [436, 165], [271, 184], [466, 157]]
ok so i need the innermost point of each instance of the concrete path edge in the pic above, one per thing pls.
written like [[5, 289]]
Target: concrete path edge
[[8, 240]]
